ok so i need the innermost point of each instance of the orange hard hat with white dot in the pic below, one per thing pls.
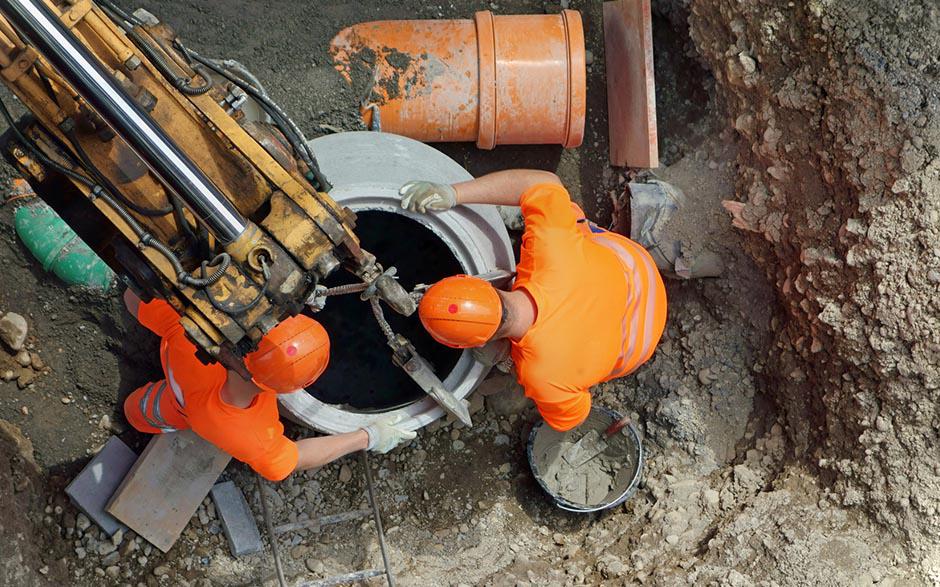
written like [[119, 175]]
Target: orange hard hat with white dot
[[291, 356], [461, 311]]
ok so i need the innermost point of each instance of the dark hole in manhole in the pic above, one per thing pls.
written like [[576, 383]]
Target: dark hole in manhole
[[361, 375]]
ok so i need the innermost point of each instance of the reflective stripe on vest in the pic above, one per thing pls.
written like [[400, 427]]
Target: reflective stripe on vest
[[156, 409], [156, 420], [640, 307], [177, 390]]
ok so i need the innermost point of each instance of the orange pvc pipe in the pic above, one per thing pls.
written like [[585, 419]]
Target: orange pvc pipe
[[496, 80]]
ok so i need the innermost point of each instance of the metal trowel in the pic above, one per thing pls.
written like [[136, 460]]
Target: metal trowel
[[592, 444], [420, 371]]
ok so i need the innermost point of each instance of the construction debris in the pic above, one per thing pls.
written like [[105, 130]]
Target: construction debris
[[91, 490], [162, 490], [237, 519]]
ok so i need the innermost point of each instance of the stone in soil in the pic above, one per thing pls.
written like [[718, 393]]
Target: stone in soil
[[111, 558], [511, 400], [26, 377], [314, 566], [13, 330]]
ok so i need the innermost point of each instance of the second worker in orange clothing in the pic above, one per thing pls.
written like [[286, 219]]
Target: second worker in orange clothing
[[587, 305], [237, 415]]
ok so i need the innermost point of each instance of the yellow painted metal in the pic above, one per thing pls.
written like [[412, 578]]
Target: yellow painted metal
[[305, 225]]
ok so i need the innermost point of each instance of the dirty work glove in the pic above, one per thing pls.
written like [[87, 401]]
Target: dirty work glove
[[424, 196], [494, 354], [385, 435]]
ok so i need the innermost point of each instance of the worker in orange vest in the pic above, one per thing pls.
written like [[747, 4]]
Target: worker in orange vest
[[587, 305], [240, 417]]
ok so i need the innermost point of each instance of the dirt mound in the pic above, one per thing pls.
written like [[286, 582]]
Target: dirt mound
[[21, 500], [838, 106]]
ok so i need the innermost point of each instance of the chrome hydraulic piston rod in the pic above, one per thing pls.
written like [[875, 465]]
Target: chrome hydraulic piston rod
[[92, 82]]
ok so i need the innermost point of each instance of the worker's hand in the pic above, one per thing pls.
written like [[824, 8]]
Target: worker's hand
[[424, 196], [385, 435], [493, 354]]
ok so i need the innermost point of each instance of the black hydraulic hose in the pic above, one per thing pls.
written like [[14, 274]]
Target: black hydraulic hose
[[181, 221], [186, 85], [293, 134], [238, 308], [106, 183], [120, 12], [237, 68], [290, 129], [148, 240], [183, 84], [32, 148], [219, 265], [97, 191]]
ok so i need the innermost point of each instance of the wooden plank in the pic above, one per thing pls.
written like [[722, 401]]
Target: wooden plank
[[631, 88], [167, 483]]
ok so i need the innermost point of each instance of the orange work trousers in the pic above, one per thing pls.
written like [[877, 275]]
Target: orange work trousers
[[153, 409]]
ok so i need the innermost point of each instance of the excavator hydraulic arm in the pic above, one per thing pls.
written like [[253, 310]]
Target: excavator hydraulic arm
[[179, 170]]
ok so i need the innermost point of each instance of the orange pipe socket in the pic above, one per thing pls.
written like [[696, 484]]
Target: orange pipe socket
[[496, 80]]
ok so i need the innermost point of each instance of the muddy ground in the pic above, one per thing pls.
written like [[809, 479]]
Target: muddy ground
[[752, 473]]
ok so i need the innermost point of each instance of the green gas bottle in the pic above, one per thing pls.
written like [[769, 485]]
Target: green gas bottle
[[56, 246]]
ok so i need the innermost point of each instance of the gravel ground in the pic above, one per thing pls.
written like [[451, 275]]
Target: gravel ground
[[730, 495]]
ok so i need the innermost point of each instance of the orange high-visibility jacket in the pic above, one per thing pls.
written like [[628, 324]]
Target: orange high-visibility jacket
[[600, 306], [253, 435]]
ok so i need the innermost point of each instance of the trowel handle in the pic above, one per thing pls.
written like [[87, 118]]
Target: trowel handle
[[616, 426]]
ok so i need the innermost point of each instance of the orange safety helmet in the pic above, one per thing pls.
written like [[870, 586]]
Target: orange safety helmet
[[461, 311], [290, 356]]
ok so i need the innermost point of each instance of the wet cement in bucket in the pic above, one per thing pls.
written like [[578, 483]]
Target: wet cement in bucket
[[361, 376], [598, 481]]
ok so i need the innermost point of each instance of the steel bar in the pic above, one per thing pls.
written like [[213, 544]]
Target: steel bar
[[269, 527], [98, 88], [389, 578], [317, 523], [344, 579]]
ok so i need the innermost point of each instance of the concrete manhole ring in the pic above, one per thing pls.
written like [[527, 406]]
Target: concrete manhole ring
[[366, 170]]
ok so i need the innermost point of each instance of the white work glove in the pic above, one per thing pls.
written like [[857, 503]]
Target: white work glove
[[385, 435], [424, 196]]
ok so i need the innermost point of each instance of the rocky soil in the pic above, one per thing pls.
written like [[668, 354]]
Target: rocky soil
[[838, 106], [789, 413]]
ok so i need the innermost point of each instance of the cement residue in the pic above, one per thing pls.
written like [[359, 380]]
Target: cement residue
[[595, 482], [384, 74]]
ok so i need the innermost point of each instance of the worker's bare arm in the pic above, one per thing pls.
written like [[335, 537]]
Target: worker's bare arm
[[131, 301], [504, 188], [316, 452]]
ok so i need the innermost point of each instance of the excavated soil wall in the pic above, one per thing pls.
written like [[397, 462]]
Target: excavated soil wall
[[837, 108]]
